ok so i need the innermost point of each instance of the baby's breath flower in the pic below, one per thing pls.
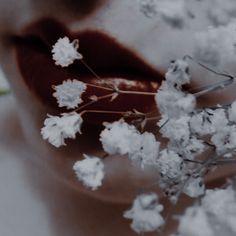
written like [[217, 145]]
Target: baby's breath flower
[[225, 139], [177, 130], [90, 171], [216, 215], [194, 187], [213, 48], [169, 164], [56, 129], [188, 150], [173, 102], [120, 138], [221, 203], [195, 223], [178, 73], [145, 213], [148, 151], [173, 12], [64, 52], [68, 94], [208, 121], [148, 7]]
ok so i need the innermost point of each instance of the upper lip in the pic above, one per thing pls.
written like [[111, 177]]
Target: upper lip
[[101, 52]]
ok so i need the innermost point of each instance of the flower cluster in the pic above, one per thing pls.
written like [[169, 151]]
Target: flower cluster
[[213, 48], [56, 129], [90, 171], [179, 162], [68, 94], [64, 52], [173, 12], [145, 213], [121, 138], [215, 215]]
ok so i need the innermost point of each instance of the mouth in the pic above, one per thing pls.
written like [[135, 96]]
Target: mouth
[[114, 63]]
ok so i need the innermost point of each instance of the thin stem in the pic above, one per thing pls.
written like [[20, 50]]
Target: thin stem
[[90, 69], [224, 162], [136, 92], [104, 112], [214, 87], [164, 124], [121, 91], [113, 89], [94, 101], [193, 161], [196, 171], [100, 87], [208, 68]]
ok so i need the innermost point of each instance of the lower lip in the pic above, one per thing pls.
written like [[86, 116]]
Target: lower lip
[[40, 74]]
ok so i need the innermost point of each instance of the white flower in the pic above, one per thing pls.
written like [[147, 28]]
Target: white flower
[[169, 164], [145, 213], [225, 139], [177, 130], [219, 202], [57, 129], [148, 151], [195, 223], [216, 215], [68, 94], [232, 112], [208, 121], [148, 7], [218, 118], [90, 171], [173, 102], [178, 73], [173, 12], [190, 150], [64, 52], [222, 204], [200, 124], [120, 138], [212, 47], [194, 187]]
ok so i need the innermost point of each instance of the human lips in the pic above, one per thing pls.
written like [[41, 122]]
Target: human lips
[[112, 62]]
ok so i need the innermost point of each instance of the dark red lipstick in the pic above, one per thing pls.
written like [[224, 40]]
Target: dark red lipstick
[[108, 58]]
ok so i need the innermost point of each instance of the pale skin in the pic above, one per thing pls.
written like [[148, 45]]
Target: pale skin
[[80, 211]]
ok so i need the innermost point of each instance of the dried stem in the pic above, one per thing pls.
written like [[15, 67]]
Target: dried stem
[[90, 69], [208, 68], [213, 87], [121, 91], [225, 162], [94, 101], [122, 113]]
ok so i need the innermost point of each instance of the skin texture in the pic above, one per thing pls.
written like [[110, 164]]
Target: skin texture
[[82, 211]]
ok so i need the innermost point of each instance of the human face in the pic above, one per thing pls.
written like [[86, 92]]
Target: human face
[[150, 43]]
